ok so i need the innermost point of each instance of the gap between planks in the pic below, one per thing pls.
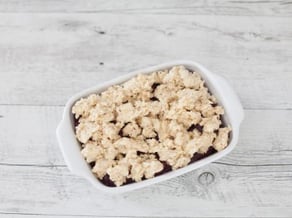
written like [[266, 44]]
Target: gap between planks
[[138, 12], [82, 215], [61, 105], [216, 162]]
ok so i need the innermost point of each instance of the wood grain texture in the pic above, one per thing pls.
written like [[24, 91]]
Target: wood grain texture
[[161, 7], [58, 55], [247, 182], [236, 191]]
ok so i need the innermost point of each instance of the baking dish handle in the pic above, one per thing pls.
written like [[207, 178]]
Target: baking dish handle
[[232, 100], [70, 150]]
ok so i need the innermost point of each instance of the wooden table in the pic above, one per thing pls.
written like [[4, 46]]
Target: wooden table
[[51, 49]]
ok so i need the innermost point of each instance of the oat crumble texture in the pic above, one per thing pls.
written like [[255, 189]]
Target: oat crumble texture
[[129, 130]]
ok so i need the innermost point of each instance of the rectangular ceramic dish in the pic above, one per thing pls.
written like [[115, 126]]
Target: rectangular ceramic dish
[[217, 85]]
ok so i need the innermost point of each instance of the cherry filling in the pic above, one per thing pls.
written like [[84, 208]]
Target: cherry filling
[[166, 167]]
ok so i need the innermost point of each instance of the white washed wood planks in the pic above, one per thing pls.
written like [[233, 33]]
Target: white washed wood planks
[[51, 49], [58, 54], [236, 191], [28, 135], [161, 7]]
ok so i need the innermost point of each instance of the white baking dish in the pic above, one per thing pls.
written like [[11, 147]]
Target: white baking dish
[[218, 86]]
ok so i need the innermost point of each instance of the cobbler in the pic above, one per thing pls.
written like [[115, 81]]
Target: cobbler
[[152, 124]]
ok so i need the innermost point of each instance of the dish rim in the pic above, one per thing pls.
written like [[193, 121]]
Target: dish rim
[[217, 85]]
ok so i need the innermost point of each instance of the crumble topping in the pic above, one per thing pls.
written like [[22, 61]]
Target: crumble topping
[[130, 130]]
